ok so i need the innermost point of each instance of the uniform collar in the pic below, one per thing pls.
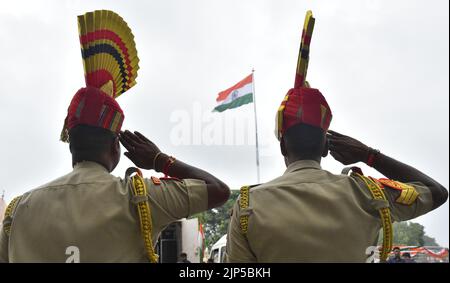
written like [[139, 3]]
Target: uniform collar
[[89, 165], [302, 164]]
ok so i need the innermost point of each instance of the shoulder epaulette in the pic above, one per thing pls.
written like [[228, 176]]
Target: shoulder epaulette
[[9, 213], [377, 193], [353, 169]]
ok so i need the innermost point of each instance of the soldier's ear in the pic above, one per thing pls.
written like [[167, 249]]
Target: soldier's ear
[[115, 146], [326, 147], [283, 147]]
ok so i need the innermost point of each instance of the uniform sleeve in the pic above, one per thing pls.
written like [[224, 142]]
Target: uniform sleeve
[[4, 241], [4, 238], [171, 200], [405, 200], [410, 202], [238, 249]]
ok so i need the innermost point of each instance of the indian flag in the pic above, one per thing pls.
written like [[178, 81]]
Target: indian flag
[[201, 242], [237, 95]]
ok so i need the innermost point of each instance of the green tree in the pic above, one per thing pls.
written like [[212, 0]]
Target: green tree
[[429, 241], [409, 234], [215, 221]]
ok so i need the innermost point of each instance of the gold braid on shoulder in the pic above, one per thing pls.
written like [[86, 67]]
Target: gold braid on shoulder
[[9, 212], [145, 216], [244, 203], [385, 215]]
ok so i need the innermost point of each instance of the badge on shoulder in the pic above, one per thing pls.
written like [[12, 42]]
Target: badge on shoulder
[[408, 193], [156, 180]]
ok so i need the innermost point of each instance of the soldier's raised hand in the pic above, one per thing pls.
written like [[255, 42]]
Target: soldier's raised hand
[[345, 149], [141, 151]]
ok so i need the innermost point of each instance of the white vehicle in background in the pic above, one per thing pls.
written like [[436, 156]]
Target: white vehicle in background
[[218, 250], [181, 236]]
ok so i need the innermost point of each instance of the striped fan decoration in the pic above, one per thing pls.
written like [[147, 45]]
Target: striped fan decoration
[[109, 53], [303, 54]]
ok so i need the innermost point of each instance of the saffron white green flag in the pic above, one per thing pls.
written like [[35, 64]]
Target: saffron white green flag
[[237, 95]]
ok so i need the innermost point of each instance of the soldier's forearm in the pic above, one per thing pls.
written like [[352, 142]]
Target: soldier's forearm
[[218, 191], [181, 170], [394, 169]]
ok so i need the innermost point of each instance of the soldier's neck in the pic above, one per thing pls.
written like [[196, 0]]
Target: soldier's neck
[[290, 160], [104, 163]]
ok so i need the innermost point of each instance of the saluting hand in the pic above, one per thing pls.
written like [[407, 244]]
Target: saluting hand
[[141, 151], [345, 149]]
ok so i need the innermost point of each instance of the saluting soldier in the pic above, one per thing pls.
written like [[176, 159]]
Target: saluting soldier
[[311, 215], [90, 215]]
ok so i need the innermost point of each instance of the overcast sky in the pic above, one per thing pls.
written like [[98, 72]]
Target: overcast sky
[[382, 65]]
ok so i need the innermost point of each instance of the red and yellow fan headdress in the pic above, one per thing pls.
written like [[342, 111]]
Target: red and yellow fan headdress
[[303, 104], [110, 64], [109, 52]]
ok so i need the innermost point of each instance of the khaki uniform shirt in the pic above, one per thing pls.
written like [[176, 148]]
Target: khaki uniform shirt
[[311, 215], [92, 210]]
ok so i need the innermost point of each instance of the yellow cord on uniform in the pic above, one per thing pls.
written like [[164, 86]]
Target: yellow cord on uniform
[[385, 215], [244, 202], [8, 213], [145, 217]]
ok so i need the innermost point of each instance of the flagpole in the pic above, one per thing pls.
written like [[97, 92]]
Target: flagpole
[[256, 126]]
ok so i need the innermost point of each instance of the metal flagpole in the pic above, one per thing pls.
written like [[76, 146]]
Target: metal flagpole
[[256, 125]]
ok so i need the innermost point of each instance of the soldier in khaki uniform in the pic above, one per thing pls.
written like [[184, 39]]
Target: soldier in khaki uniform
[[90, 215], [311, 215]]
